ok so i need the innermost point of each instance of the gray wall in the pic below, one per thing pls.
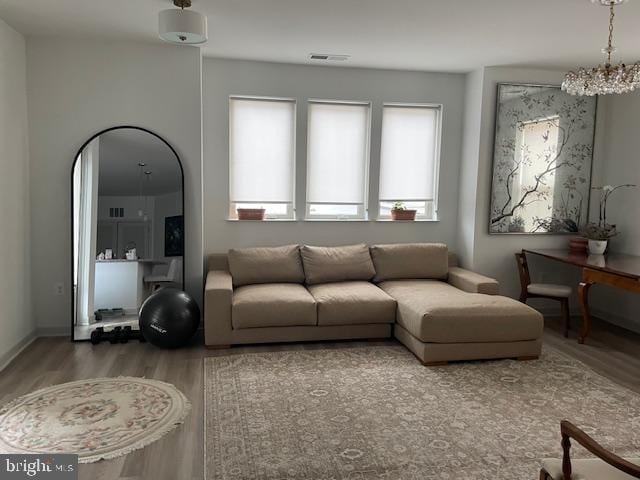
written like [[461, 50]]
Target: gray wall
[[620, 163], [16, 319], [468, 179], [232, 77], [493, 254], [77, 89]]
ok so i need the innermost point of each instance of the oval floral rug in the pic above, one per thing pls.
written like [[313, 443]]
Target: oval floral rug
[[97, 418]]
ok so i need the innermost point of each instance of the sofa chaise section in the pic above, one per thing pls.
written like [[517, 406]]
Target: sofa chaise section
[[446, 313], [440, 323]]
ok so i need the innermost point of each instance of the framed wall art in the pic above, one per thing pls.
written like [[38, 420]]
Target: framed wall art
[[174, 236], [543, 153]]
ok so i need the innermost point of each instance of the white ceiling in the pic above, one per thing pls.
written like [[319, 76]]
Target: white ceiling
[[119, 174], [443, 35]]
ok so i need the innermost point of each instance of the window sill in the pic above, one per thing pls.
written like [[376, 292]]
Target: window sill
[[417, 220], [334, 220], [339, 220], [266, 220]]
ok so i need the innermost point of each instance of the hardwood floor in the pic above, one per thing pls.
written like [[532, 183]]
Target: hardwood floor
[[611, 351]]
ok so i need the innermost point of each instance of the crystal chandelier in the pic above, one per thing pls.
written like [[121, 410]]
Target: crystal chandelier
[[607, 78]]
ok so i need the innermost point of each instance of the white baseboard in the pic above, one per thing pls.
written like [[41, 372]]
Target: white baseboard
[[8, 357]]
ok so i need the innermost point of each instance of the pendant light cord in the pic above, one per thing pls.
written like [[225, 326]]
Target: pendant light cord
[[612, 14]]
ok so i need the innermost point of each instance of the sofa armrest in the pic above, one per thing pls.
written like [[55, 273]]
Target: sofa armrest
[[472, 282], [218, 297]]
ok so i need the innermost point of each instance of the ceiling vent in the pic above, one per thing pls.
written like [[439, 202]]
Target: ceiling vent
[[328, 57]]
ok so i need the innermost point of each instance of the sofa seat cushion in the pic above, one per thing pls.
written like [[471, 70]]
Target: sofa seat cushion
[[351, 303], [250, 266], [587, 469], [272, 305], [336, 264], [437, 312], [403, 261]]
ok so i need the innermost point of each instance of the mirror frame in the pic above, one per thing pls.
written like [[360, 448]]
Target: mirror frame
[[73, 166]]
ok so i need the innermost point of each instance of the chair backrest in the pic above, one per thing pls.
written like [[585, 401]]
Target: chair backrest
[[523, 271], [570, 431], [173, 272]]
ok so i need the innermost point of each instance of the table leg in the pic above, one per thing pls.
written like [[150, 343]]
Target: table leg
[[583, 294]]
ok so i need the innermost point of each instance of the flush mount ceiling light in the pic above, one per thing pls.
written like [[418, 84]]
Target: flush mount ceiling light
[[183, 27], [608, 78], [329, 57]]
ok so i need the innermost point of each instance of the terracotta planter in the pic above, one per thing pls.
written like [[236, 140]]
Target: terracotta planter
[[250, 213], [578, 244], [403, 214]]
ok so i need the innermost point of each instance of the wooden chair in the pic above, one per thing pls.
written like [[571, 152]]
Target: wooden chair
[[607, 465], [170, 278], [552, 291]]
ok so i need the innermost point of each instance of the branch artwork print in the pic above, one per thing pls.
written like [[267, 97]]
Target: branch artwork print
[[542, 160]]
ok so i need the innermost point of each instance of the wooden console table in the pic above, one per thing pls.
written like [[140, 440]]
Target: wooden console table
[[616, 270]]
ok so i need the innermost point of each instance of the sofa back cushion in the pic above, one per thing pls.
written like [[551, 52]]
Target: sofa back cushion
[[410, 260], [249, 266], [337, 264]]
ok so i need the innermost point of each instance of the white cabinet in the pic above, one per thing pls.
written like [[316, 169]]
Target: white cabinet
[[120, 284]]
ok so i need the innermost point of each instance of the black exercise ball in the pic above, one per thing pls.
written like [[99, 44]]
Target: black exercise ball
[[169, 318]]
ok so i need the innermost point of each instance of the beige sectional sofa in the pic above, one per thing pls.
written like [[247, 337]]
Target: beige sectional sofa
[[414, 291]]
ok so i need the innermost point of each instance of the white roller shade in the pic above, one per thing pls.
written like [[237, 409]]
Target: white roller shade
[[408, 154], [261, 150], [337, 152]]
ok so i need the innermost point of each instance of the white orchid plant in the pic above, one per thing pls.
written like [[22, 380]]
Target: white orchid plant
[[602, 230]]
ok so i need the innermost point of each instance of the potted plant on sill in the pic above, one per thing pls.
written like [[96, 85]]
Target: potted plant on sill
[[250, 213], [400, 212], [598, 234]]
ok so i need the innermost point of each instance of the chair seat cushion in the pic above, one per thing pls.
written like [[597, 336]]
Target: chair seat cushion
[[351, 303], [272, 305], [549, 290], [157, 278], [587, 469], [436, 312]]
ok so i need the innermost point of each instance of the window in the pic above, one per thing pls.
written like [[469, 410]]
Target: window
[[262, 155], [337, 160], [409, 158], [537, 144]]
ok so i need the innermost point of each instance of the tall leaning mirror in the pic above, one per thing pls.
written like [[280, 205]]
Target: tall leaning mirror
[[127, 227]]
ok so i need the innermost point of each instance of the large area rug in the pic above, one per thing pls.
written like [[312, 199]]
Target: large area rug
[[377, 413], [96, 419]]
